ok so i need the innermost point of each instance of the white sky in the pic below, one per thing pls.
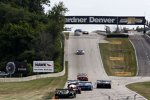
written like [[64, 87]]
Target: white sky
[[104, 8]]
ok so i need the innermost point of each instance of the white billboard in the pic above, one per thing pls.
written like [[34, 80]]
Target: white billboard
[[43, 66]]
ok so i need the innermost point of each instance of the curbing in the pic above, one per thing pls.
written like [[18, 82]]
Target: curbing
[[137, 71], [136, 57]]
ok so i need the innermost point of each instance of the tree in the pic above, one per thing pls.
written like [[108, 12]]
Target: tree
[[15, 39], [57, 19], [35, 6], [28, 34]]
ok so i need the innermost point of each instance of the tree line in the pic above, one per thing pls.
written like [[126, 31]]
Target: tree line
[[27, 33]]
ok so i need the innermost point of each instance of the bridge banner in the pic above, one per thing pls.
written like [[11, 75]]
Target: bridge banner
[[120, 20], [131, 20]]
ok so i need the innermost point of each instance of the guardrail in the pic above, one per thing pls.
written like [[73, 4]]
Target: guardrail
[[32, 77]]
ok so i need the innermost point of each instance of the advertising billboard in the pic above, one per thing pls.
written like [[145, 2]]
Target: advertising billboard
[[120, 20], [21, 67], [43, 66], [16, 67], [131, 20]]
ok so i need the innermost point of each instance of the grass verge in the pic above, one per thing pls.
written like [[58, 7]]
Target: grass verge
[[143, 88], [118, 57], [41, 89]]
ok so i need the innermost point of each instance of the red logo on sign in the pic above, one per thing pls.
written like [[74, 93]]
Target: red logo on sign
[[49, 65]]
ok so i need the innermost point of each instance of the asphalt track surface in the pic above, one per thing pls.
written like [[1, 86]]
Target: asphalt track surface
[[142, 46], [91, 63]]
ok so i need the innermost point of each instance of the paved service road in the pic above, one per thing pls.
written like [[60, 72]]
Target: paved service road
[[91, 64], [142, 46]]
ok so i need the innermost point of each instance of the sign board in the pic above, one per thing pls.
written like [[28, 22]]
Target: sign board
[[10, 68], [120, 20], [131, 20], [43, 66], [21, 67]]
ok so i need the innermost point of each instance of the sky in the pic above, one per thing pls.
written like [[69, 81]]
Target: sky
[[104, 8]]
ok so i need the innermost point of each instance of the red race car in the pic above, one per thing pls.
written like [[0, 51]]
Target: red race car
[[82, 77]]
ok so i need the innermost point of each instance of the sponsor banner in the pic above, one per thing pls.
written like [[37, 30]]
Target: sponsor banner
[[10, 68], [43, 66], [21, 67], [131, 20], [120, 20], [90, 20], [16, 67]]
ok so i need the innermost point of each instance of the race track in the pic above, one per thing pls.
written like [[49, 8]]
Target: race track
[[91, 64], [142, 46]]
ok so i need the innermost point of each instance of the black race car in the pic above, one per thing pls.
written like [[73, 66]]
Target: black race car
[[103, 84], [64, 93], [85, 32]]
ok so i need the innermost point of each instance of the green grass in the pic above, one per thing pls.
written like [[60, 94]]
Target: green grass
[[108, 50], [40, 89], [112, 50], [142, 88]]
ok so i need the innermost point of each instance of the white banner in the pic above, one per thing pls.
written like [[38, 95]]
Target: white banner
[[43, 66]]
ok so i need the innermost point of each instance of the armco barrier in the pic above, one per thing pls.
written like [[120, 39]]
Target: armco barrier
[[32, 77]]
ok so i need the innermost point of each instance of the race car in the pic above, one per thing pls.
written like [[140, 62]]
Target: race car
[[80, 52], [84, 85], [82, 77], [103, 84], [85, 32], [73, 84], [77, 32], [64, 93], [74, 87]]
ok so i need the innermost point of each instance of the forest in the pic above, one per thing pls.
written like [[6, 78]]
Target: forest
[[27, 33]]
